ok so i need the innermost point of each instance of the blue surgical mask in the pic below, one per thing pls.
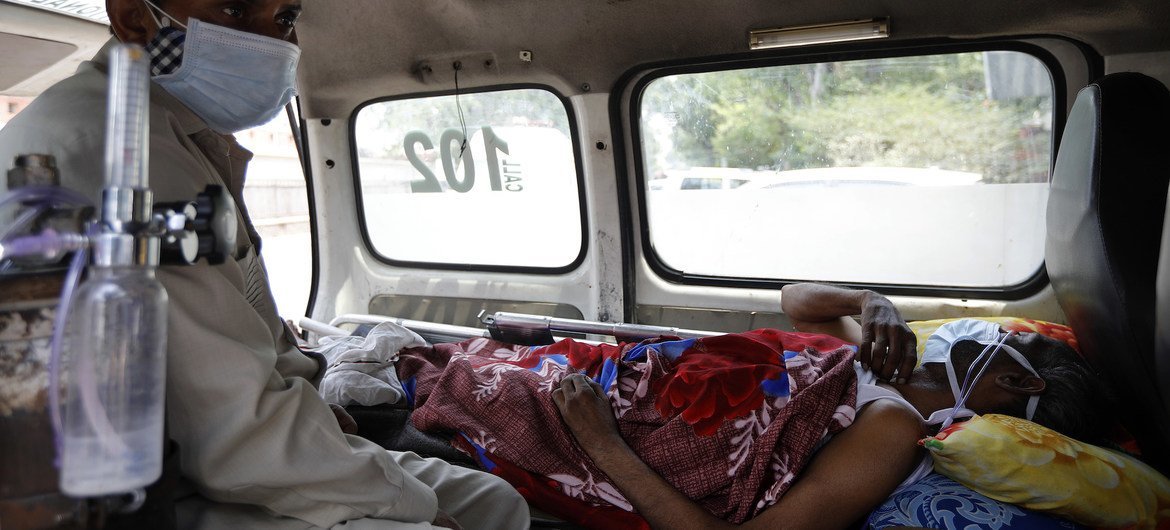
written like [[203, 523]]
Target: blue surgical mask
[[938, 348], [232, 79]]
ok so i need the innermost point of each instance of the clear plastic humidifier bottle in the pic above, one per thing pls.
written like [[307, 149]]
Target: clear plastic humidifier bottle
[[112, 437]]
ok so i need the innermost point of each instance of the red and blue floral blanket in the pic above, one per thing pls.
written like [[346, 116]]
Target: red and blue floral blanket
[[730, 421]]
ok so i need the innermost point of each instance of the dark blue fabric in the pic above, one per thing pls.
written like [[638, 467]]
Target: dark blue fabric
[[939, 502]]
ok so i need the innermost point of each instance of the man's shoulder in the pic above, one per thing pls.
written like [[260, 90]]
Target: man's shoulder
[[76, 104], [68, 121]]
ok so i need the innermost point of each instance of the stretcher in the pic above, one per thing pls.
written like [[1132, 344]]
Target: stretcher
[[514, 328]]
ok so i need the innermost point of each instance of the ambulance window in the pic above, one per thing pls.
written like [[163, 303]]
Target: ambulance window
[[507, 197], [923, 171], [10, 106], [278, 204]]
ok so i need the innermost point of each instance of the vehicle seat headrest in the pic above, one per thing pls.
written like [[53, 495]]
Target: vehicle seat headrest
[[1105, 213]]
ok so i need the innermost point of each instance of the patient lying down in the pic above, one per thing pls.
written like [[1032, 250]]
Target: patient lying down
[[762, 429]]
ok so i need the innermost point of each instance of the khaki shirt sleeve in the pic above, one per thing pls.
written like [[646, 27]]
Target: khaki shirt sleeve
[[249, 435], [250, 427]]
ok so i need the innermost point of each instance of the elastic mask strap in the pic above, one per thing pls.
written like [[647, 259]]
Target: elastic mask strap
[[952, 378], [150, 9], [988, 352], [945, 417], [166, 18], [1033, 401], [969, 389], [969, 383]]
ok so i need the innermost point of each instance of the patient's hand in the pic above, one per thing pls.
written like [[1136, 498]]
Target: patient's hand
[[887, 343], [443, 520], [586, 411], [344, 420]]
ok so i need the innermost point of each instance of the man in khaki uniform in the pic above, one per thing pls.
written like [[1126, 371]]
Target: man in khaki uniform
[[259, 447]]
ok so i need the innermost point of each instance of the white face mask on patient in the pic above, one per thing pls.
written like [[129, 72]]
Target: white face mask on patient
[[938, 350]]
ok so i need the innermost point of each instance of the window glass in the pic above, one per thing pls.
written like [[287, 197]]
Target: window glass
[[9, 107], [506, 197], [928, 170], [278, 204]]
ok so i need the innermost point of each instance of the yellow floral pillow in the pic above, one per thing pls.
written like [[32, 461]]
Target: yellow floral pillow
[[1017, 461], [923, 329]]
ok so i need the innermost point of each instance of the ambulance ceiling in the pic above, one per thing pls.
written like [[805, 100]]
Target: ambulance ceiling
[[356, 50]]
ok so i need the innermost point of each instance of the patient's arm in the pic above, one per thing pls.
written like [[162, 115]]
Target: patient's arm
[[855, 472], [886, 343]]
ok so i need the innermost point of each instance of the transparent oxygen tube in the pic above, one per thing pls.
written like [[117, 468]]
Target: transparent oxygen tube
[[112, 431]]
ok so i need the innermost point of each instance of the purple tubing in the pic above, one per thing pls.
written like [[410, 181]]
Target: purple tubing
[[51, 194], [72, 278], [41, 198]]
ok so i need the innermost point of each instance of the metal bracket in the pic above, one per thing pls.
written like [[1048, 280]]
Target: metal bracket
[[440, 69]]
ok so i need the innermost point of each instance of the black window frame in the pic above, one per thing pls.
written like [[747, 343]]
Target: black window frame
[[637, 79]]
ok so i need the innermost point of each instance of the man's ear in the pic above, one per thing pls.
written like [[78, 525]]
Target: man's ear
[[1020, 383], [130, 21]]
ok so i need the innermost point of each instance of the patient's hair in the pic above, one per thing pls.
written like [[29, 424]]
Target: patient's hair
[[1076, 401]]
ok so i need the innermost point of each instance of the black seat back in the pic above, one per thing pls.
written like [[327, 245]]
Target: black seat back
[[1105, 215]]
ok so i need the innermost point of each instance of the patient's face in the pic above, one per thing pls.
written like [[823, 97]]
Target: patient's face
[[987, 396]]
